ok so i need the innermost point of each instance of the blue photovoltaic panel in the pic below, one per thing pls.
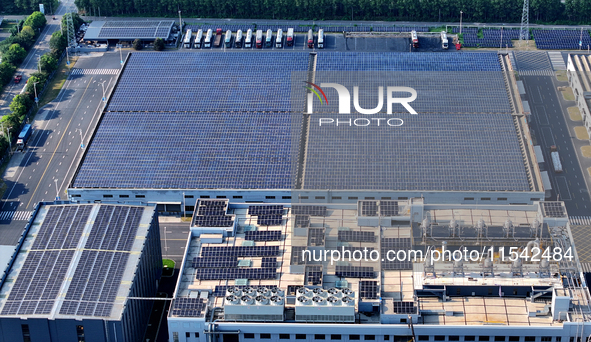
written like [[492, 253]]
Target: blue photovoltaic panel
[[236, 273], [114, 228], [187, 82], [188, 307], [561, 39], [262, 235], [213, 262], [453, 152], [190, 151], [256, 210], [241, 251]]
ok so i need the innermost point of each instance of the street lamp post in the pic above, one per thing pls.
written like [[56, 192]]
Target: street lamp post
[[57, 192], [461, 13], [121, 53], [81, 139], [103, 84], [36, 98], [180, 22]]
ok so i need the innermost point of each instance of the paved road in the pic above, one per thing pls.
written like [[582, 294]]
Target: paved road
[[549, 122], [54, 150], [29, 65]]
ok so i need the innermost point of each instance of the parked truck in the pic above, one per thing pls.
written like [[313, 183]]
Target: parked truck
[[259, 39], [321, 39], [279, 39], [289, 40], [415, 39], [555, 159], [218, 38], [238, 39], [248, 39], [310, 39], [228, 39], [198, 39], [208, 36], [269, 39], [23, 137], [444, 42], [188, 37]]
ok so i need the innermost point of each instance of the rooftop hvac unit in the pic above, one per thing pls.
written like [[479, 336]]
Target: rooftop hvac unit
[[234, 291], [334, 301], [348, 301], [247, 300], [249, 291], [261, 300], [263, 291], [318, 300], [277, 300], [231, 299], [320, 292], [254, 308], [302, 291], [303, 301], [334, 292], [347, 292], [277, 292]]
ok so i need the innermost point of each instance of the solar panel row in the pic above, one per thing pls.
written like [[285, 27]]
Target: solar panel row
[[263, 235], [236, 273], [241, 251]]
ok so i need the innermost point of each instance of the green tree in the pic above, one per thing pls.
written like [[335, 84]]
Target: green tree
[[36, 20], [15, 54], [38, 78], [6, 72], [26, 38], [57, 42], [48, 63], [20, 105], [159, 44], [137, 44]]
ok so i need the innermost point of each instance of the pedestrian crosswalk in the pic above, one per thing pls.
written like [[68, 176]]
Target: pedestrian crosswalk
[[94, 71], [580, 220], [15, 215], [536, 72], [557, 60]]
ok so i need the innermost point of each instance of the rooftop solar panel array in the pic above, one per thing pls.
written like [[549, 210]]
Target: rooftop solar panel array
[[393, 245], [135, 29], [62, 227], [355, 272], [96, 280], [38, 283], [204, 147], [263, 235], [241, 251], [256, 210], [236, 273], [152, 82], [189, 150], [212, 213], [214, 262], [188, 307]]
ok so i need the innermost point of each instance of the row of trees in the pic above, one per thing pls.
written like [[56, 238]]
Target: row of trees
[[26, 6], [543, 11], [48, 63], [13, 49]]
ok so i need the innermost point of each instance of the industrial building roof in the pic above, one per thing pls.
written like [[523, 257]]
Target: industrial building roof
[[76, 260], [464, 137], [225, 273], [144, 29]]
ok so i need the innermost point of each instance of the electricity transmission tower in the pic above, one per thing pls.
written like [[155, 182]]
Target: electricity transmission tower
[[524, 32], [70, 23]]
